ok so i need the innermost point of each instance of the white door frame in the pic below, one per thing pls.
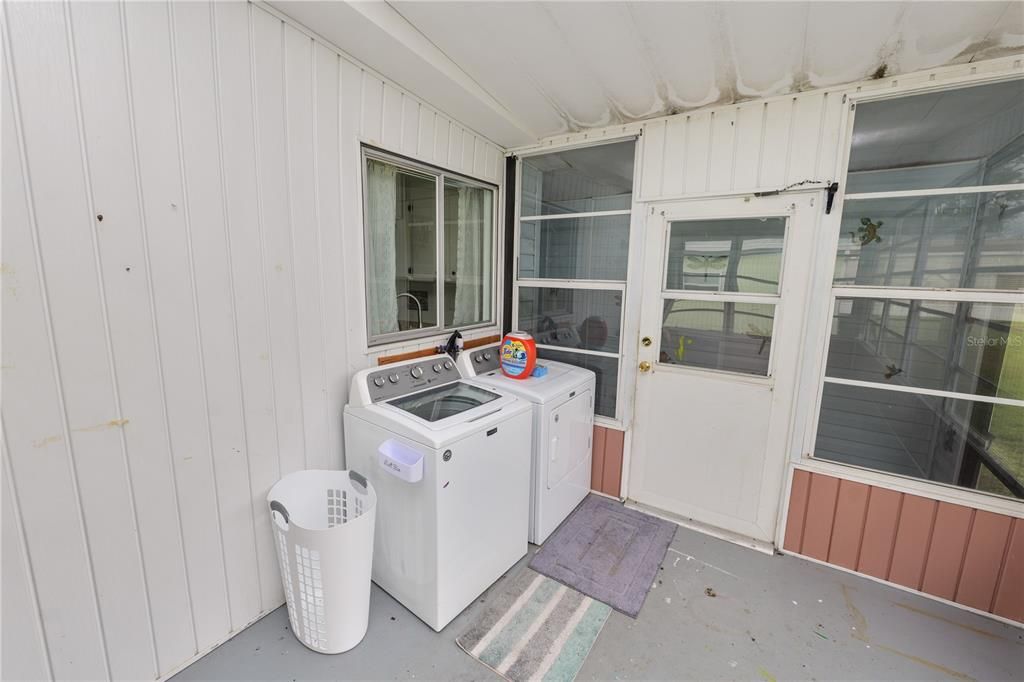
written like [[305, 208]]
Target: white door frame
[[798, 264]]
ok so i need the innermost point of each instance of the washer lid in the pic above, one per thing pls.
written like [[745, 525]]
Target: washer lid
[[449, 423], [444, 401]]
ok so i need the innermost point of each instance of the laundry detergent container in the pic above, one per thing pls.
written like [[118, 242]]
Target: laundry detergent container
[[323, 527]]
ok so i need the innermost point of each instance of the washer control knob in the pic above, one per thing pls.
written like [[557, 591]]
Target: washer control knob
[[487, 356], [378, 381], [437, 368], [447, 364], [393, 378], [416, 372], [478, 359]]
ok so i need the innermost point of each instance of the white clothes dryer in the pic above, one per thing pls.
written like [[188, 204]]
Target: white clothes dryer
[[563, 432]]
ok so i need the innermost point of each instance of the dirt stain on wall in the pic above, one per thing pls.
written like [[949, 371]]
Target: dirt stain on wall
[[49, 440]]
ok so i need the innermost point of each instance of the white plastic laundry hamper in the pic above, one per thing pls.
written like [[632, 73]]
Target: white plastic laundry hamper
[[323, 525]]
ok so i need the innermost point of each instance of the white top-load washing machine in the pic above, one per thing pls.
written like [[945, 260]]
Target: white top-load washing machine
[[450, 462], [563, 431]]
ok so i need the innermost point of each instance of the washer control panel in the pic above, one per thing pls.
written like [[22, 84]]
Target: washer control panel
[[484, 360], [391, 381]]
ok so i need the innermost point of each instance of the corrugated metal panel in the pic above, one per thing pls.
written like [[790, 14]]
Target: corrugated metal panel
[[612, 478], [821, 510], [983, 559], [966, 555], [848, 527], [763, 144], [879, 535], [945, 559], [748, 147], [799, 490], [606, 469], [1009, 601], [183, 303], [913, 537]]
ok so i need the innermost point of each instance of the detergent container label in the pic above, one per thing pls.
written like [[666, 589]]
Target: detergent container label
[[518, 355]]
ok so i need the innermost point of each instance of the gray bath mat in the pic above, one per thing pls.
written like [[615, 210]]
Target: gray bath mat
[[607, 552], [534, 629]]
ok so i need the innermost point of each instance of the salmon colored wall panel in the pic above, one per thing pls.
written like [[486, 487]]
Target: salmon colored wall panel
[[613, 446], [1009, 602], [946, 556], [951, 551], [912, 540], [797, 510], [879, 532], [983, 560], [821, 507], [597, 463], [848, 527]]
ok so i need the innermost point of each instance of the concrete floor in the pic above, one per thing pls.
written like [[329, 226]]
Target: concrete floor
[[773, 617]]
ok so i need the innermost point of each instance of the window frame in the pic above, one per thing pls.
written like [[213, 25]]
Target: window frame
[[439, 174], [813, 379], [619, 420], [757, 298]]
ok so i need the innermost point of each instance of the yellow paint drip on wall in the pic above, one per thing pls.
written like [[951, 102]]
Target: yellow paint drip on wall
[[49, 440]]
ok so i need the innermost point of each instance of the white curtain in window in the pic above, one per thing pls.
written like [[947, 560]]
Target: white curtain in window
[[381, 199], [469, 266]]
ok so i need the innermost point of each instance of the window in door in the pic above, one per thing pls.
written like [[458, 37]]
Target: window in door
[[924, 375], [572, 253], [720, 292], [429, 250]]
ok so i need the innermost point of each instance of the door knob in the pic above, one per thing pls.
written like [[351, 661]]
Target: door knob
[[645, 366], [646, 341]]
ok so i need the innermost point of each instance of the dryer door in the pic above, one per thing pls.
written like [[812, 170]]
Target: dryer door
[[570, 429]]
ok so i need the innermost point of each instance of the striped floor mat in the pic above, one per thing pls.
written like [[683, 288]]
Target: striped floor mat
[[535, 629]]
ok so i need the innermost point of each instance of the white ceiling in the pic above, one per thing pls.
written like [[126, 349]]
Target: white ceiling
[[519, 71]]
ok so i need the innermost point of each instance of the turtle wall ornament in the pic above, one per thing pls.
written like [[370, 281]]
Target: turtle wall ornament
[[867, 232]]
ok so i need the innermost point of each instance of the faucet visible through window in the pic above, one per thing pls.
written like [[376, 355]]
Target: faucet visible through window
[[429, 250]]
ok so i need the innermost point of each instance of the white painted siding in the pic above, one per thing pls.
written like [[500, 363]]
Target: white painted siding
[[765, 144], [759, 145], [165, 364]]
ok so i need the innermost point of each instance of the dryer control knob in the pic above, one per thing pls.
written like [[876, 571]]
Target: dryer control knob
[[416, 372], [487, 356], [447, 364], [393, 378], [378, 381], [478, 359], [436, 368]]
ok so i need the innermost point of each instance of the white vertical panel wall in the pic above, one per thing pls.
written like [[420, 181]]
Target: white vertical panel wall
[[754, 146], [182, 307], [766, 144]]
